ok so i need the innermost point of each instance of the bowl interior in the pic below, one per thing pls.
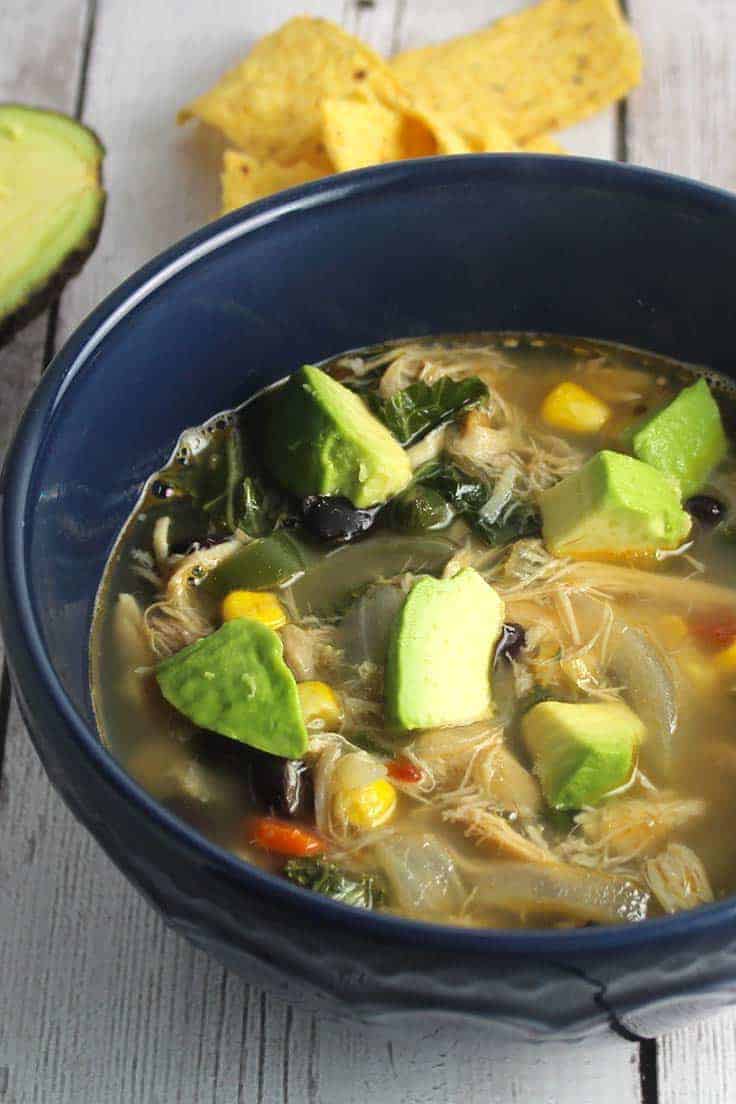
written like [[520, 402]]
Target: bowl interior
[[484, 243]]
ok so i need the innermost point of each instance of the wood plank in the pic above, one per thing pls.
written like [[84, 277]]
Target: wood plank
[[39, 64], [99, 1003], [163, 180], [681, 120]]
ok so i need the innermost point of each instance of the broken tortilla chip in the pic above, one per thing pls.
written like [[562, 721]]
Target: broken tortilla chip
[[542, 69], [270, 104], [544, 143], [358, 132], [245, 179]]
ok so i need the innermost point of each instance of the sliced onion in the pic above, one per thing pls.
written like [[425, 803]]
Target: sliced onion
[[422, 874], [502, 492], [635, 663], [648, 684], [367, 624], [559, 890]]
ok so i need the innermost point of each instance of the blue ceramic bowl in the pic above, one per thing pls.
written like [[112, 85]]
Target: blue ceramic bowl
[[468, 243]]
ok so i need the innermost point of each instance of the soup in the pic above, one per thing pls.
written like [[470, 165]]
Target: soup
[[445, 628]]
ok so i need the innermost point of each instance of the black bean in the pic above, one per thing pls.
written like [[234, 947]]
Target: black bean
[[161, 490], [513, 639], [334, 518], [284, 786], [705, 509]]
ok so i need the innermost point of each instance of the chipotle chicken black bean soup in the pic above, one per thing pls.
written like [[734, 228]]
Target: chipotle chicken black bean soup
[[445, 628]]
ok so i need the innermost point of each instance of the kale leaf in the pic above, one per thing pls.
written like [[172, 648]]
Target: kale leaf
[[411, 413], [467, 497], [325, 877], [226, 485]]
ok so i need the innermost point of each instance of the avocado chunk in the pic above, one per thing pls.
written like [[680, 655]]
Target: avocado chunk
[[235, 682], [51, 207], [441, 646], [581, 751], [323, 440], [613, 508], [686, 439]]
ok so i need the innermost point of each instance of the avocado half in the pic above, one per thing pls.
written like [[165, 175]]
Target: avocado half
[[51, 207]]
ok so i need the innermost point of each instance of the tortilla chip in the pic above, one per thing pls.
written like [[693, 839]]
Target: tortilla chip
[[245, 179], [543, 69], [359, 132], [493, 138], [270, 104], [544, 143]]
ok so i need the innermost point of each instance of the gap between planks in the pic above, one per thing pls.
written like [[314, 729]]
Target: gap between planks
[[699, 157]]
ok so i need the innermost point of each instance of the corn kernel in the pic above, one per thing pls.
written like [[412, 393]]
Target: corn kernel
[[367, 806], [570, 407], [673, 629], [320, 706], [700, 670], [257, 605], [725, 660]]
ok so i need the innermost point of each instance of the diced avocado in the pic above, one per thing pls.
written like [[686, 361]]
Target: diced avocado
[[51, 207], [441, 646], [581, 751], [614, 507], [686, 439], [235, 682], [324, 440]]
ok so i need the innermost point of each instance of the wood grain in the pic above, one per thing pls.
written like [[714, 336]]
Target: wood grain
[[99, 1003], [40, 53], [682, 120], [683, 117]]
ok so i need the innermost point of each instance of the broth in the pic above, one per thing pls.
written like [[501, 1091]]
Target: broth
[[468, 823]]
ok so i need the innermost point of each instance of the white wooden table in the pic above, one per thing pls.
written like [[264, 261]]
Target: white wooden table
[[99, 1004]]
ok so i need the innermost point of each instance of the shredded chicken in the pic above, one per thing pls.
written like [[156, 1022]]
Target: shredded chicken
[[429, 448], [496, 834], [429, 362], [160, 542], [181, 616], [172, 626], [497, 438], [506, 783], [626, 828], [311, 651], [445, 755], [134, 648], [678, 879], [473, 552], [181, 587]]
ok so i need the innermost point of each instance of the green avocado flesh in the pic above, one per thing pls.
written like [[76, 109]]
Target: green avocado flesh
[[51, 207], [440, 651], [614, 507], [323, 440], [581, 751], [235, 682], [686, 439]]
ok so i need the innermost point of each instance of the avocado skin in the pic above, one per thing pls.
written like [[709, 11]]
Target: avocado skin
[[46, 295]]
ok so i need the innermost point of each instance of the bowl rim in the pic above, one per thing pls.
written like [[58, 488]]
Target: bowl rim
[[23, 638]]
